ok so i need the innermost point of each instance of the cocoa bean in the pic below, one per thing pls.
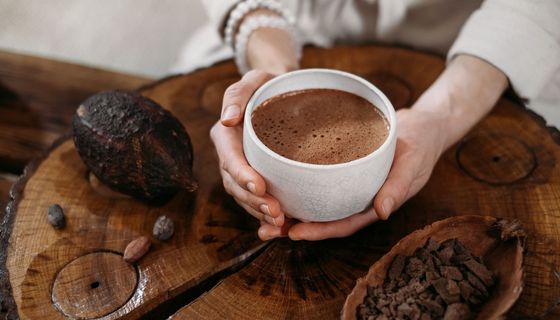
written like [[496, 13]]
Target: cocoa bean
[[136, 249], [55, 216], [163, 228]]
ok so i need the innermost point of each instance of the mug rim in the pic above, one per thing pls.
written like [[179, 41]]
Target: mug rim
[[247, 121]]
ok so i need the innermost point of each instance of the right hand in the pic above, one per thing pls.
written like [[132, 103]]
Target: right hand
[[241, 181]]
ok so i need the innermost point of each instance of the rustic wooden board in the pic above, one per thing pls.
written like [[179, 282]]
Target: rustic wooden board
[[287, 279], [37, 99], [506, 167]]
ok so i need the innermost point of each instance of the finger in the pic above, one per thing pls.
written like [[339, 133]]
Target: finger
[[255, 213], [267, 231], [394, 191], [237, 95], [230, 151], [266, 204], [314, 231]]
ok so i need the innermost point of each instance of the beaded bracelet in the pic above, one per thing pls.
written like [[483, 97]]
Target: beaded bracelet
[[244, 7], [252, 23]]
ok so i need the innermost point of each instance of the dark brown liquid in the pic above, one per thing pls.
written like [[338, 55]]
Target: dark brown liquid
[[320, 126]]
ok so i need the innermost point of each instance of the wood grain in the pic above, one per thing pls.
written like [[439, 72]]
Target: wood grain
[[37, 99], [286, 279]]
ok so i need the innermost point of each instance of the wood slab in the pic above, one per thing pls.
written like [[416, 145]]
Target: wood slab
[[506, 167]]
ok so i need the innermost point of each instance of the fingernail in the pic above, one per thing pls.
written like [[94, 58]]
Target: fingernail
[[252, 187], [387, 206], [231, 112], [264, 209], [270, 220]]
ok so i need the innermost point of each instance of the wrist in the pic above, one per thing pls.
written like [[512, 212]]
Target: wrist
[[462, 95], [263, 36], [270, 50]]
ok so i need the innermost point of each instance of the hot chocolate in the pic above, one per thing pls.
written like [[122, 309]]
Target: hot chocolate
[[320, 126]]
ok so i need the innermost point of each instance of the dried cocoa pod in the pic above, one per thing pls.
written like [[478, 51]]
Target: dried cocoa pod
[[136, 249], [103, 190], [163, 228], [134, 146], [55, 216]]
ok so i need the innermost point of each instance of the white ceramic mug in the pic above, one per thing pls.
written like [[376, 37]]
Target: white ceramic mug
[[317, 192]]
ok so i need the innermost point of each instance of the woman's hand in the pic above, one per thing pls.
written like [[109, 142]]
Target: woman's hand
[[460, 97], [240, 180], [269, 53], [419, 145]]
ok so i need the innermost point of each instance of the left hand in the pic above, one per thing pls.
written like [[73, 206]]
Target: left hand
[[419, 145]]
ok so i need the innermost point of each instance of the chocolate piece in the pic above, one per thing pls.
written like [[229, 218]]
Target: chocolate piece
[[423, 254], [396, 267], [433, 307], [425, 316], [445, 254], [431, 276], [477, 284], [457, 311], [415, 268], [480, 271], [452, 273], [448, 290], [466, 290], [432, 245]]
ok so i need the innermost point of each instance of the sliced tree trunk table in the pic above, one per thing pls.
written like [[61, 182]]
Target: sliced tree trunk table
[[215, 266]]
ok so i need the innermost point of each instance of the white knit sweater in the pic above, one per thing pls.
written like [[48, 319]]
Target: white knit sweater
[[520, 37]]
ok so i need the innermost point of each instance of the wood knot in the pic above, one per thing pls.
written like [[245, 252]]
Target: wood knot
[[496, 159], [94, 285], [395, 88]]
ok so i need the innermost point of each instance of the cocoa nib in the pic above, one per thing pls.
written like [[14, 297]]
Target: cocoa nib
[[441, 280]]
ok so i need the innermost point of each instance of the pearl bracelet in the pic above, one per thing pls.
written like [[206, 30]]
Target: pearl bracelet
[[253, 23], [246, 6]]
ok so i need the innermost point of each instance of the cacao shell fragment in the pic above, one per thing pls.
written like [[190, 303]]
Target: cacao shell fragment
[[134, 146], [498, 242]]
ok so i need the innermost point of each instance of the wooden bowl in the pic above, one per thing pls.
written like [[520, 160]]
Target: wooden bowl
[[498, 242]]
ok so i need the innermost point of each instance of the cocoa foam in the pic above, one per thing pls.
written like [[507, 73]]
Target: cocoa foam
[[320, 126]]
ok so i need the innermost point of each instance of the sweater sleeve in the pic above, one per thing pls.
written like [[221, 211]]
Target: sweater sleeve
[[218, 11], [521, 38]]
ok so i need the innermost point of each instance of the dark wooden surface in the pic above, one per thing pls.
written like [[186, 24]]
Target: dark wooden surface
[[37, 99], [216, 241]]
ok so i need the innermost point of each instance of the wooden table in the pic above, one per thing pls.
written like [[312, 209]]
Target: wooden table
[[214, 266]]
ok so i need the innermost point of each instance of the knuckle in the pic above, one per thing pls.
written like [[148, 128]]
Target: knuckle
[[255, 73], [223, 165], [227, 185], [238, 174], [234, 91], [214, 131], [401, 189]]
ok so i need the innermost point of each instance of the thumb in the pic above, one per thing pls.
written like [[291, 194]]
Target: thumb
[[395, 190], [238, 94]]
